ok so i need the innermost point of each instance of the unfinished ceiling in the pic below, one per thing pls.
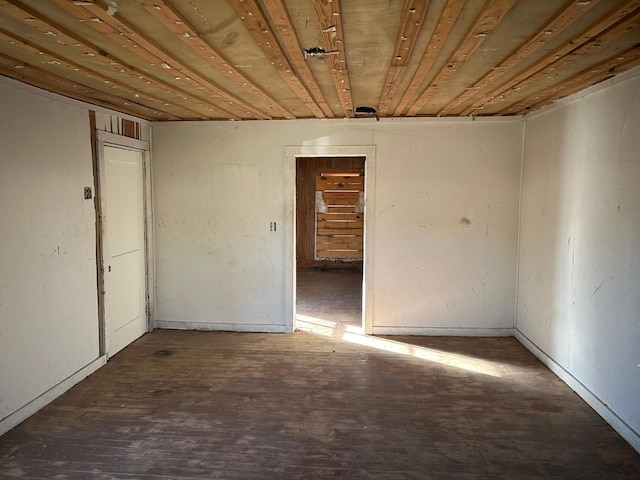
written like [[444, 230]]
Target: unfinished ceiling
[[283, 59]]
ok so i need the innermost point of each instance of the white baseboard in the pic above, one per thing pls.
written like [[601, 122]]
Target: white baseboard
[[50, 395], [444, 331], [222, 327], [618, 424]]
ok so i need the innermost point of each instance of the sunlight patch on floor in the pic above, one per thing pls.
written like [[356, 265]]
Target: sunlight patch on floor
[[353, 334], [455, 360], [325, 327]]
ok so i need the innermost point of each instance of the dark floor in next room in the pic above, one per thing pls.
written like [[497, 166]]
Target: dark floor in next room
[[330, 298]]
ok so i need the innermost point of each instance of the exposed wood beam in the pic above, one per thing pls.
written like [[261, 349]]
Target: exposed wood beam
[[569, 13], [38, 77], [127, 93], [330, 19], [119, 68], [128, 37], [618, 63], [176, 23], [259, 28], [291, 45], [586, 37], [551, 71], [447, 20], [488, 19], [413, 13]]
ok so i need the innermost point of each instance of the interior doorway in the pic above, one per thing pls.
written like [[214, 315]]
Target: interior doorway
[[329, 241]]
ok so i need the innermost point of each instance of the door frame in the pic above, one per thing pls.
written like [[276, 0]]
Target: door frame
[[291, 154], [106, 139]]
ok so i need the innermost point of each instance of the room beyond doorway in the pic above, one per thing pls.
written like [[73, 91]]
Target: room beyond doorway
[[330, 205]]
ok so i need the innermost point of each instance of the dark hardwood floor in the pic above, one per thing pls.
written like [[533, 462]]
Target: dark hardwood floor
[[186, 405]]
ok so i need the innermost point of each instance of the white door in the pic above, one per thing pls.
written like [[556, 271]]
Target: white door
[[124, 248]]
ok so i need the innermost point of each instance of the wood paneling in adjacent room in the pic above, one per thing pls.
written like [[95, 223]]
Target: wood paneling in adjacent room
[[305, 207]]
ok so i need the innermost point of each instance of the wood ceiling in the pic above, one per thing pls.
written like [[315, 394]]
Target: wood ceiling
[[283, 59]]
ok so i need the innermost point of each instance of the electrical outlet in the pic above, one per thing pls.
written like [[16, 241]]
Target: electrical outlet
[[88, 194]]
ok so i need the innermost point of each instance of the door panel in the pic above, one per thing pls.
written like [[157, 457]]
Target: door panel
[[124, 247]]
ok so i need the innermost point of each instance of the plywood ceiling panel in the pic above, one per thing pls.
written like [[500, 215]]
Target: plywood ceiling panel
[[284, 59]]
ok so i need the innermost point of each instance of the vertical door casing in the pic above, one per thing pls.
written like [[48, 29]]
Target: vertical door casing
[[291, 153], [124, 190]]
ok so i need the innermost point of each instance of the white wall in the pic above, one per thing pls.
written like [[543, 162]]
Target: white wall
[[444, 225], [48, 293], [579, 262]]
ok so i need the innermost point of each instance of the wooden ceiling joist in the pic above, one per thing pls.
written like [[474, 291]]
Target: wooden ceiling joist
[[622, 11], [551, 71], [56, 62], [122, 33], [563, 18], [121, 71], [447, 20], [259, 28], [281, 20], [38, 77], [488, 19], [330, 19], [413, 13], [174, 21], [618, 63], [162, 59]]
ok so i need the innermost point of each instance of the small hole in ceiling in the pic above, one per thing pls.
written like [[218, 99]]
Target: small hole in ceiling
[[366, 111]]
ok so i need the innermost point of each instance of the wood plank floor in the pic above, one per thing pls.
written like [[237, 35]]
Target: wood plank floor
[[186, 405], [328, 297]]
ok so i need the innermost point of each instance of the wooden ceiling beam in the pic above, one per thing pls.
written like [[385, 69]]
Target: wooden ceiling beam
[[563, 18], [58, 63], [586, 37], [487, 20], [447, 20], [120, 69], [618, 63], [38, 77], [330, 19], [175, 22], [281, 20], [259, 28], [551, 71], [123, 34], [413, 13]]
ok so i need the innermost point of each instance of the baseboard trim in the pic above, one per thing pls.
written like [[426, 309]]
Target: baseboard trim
[[617, 423], [24, 412], [222, 327], [444, 331]]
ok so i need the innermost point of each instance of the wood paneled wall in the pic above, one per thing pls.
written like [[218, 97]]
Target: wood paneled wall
[[305, 212], [340, 220]]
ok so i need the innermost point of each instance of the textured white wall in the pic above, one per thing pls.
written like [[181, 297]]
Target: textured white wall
[[48, 292], [444, 226], [579, 280]]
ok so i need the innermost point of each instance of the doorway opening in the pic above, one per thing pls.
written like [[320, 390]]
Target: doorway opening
[[329, 243]]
